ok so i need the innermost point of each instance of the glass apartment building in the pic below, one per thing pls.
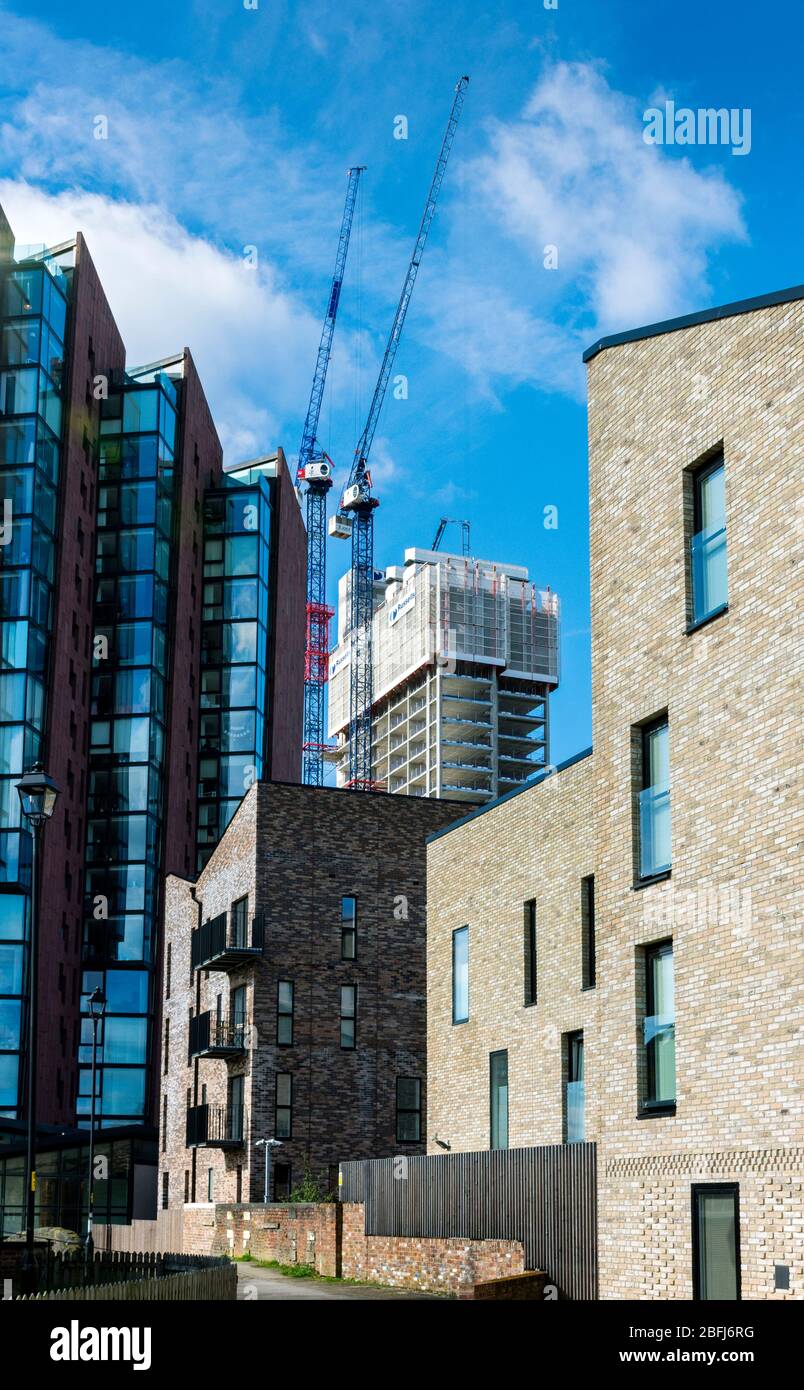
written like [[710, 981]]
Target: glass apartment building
[[34, 295], [152, 618]]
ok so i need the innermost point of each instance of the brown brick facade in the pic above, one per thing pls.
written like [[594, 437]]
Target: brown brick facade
[[296, 852]]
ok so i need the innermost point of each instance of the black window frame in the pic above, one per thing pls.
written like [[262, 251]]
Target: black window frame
[[698, 476], [349, 929], [239, 908], [344, 1017], [282, 1014], [284, 1107], [407, 1110], [588, 942], [644, 732], [286, 1168], [649, 1105], [530, 944], [731, 1189], [496, 1148], [459, 931]]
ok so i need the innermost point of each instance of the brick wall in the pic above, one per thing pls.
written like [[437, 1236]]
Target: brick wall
[[732, 905], [296, 851], [414, 1262]]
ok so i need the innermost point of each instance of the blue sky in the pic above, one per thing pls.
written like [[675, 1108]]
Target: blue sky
[[231, 127]]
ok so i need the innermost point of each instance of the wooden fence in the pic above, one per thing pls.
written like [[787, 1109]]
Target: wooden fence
[[218, 1281], [544, 1197], [165, 1233]]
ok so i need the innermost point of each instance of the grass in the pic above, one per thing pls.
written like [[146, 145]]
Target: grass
[[307, 1272]]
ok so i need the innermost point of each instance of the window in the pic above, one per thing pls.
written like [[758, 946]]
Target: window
[[498, 1099], [460, 975], [348, 1010], [530, 952], [164, 1123], [282, 1172], [284, 1013], [210, 1184], [167, 1047], [716, 1242], [186, 1184], [283, 1118], [348, 928], [588, 932], [408, 1109], [238, 1004], [708, 571], [168, 955], [236, 1117], [654, 800], [165, 1190], [659, 1028], [240, 922], [573, 1089]]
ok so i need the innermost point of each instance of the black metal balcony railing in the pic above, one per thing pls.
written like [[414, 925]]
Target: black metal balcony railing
[[216, 1126], [215, 1037], [224, 943]]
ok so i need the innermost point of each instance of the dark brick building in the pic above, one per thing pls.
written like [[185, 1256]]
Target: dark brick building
[[151, 657], [295, 1003]]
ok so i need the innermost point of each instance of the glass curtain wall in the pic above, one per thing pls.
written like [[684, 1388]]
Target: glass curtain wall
[[127, 740], [33, 303], [234, 653]]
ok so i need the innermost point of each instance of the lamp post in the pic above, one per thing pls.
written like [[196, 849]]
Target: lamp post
[[37, 793], [267, 1145], [97, 1008]]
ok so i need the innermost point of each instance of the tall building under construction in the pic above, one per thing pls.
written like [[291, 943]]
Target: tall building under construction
[[465, 654]]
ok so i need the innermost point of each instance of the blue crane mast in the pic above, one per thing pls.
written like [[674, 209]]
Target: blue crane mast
[[358, 504], [315, 469]]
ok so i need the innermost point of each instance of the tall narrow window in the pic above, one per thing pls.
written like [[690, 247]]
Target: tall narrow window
[[654, 800], [284, 1013], [408, 1109], [210, 1184], [530, 952], [235, 1119], [348, 928], [283, 1119], [165, 1190], [167, 1046], [168, 960], [498, 1099], [460, 975], [588, 932], [708, 546], [348, 1016], [238, 1005], [239, 923], [716, 1241], [574, 1090], [660, 1027]]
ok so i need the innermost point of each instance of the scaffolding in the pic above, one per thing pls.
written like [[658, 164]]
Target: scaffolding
[[465, 653]]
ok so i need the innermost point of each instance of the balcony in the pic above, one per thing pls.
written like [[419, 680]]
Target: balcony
[[216, 1127], [226, 944], [214, 1037]]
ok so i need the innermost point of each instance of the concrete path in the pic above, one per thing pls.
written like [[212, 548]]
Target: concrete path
[[254, 1283]]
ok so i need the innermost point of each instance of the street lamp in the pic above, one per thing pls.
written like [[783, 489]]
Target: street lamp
[[268, 1145], [37, 793], [97, 1008]]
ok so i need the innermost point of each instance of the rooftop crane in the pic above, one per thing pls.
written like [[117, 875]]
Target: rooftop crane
[[358, 505], [315, 469], [466, 534]]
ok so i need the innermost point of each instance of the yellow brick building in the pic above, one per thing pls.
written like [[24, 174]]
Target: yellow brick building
[[661, 874]]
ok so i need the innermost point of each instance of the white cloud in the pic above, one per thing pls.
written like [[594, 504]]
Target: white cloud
[[635, 226], [252, 341]]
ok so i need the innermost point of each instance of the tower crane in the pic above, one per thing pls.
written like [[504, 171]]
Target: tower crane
[[357, 506], [466, 534], [315, 469]]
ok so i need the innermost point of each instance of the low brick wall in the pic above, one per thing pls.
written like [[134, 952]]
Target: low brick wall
[[305, 1233], [331, 1237], [447, 1265]]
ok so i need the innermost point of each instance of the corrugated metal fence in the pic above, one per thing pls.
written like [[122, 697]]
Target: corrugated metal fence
[[545, 1197]]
